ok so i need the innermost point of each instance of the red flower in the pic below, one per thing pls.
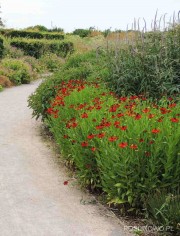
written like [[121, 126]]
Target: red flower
[[151, 116], [160, 119], [155, 131], [93, 149], [151, 142], [99, 126], [74, 124], [133, 146], [94, 120], [146, 110], [172, 105], [66, 182], [141, 140], [175, 120], [123, 127], [163, 110], [84, 115], [120, 115], [91, 136], [123, 144], [84, 144], [113, 108], [98, 107], [112, 138], [138, 117], [116, 124], [123, 99], [101, 135], [65, 136], [107, 124]]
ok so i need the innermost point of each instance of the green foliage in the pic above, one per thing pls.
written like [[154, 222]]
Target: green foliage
[[1, 88], [133, 151], [164, 208], [20, 72], [12, 52], [40, 28], [1, 47], [40, 99], [80, 66], [32, 35], [51, 62], [36, 48], [149, 65], [81, 32]]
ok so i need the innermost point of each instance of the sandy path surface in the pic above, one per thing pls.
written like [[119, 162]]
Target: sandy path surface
[[33, 199]]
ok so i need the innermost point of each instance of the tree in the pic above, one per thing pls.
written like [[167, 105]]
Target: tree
[[1, 22]]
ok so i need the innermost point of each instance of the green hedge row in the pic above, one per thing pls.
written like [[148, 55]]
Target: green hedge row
[[37, 48], [1, 47], [32, 35]]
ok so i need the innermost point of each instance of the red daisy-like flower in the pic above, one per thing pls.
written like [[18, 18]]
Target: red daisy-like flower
[[123, 144], [84, 144], [101, 135], [174, 120], [141, 140], [133, 146], [172, 105], [93, 149], [91, 136], [84, 115], [66, 182], [137, 117], [120, 115], [155, 131], [123, 127], [146, 110], [112, 138], [151, 116]]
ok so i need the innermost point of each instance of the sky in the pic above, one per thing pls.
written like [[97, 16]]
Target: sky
[[73, 14]]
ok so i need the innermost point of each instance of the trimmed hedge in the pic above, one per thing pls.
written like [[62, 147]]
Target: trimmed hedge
[[37, 48], [31, 35]]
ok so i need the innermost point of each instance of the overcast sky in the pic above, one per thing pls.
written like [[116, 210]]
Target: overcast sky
[[73, 14]]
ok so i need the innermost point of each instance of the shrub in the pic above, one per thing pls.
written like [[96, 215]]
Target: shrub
[[20, 72], [4, 81], [13, 52], [82, 32], [51, 62], [36, 48], [34, 63]]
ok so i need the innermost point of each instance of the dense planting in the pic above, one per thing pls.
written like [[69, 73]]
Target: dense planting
[[148, 64]]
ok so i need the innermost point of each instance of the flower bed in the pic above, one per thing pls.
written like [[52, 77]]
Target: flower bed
[[128, 146]]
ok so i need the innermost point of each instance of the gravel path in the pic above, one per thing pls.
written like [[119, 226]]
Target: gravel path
[[33, 199]]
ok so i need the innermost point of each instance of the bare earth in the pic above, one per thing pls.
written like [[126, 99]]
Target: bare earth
[[33, 199]]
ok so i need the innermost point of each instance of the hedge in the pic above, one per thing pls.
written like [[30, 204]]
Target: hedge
[[37, 48], [31, 35]]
